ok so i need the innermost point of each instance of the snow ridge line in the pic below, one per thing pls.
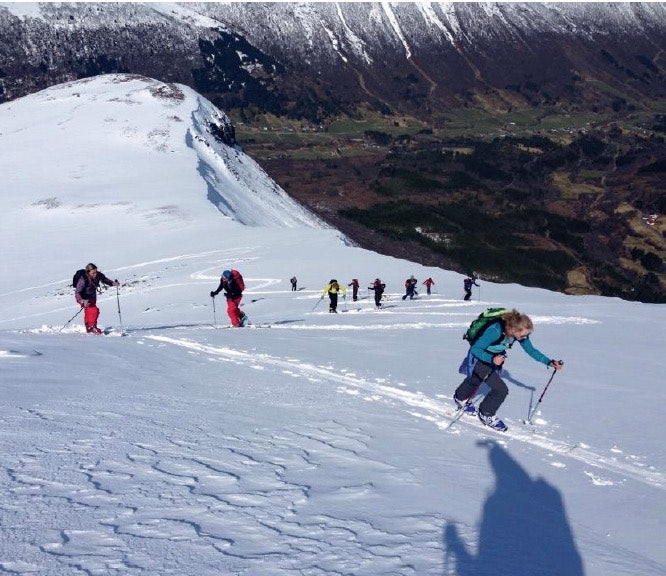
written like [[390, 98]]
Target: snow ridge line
[[435, 410]]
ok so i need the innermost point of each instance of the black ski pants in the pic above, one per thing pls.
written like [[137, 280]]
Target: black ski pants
[[498, 389], [333, 305]]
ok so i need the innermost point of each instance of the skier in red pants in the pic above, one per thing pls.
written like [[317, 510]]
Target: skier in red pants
[[86, 295], [233, 285]]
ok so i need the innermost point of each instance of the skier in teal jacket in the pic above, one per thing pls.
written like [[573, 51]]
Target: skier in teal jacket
[[485, 359]]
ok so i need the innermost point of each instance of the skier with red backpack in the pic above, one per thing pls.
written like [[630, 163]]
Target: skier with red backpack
[[233, 285]]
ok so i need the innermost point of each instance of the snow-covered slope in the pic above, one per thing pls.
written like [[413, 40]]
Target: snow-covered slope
[[311, 443], [129, 116], [115, 155]]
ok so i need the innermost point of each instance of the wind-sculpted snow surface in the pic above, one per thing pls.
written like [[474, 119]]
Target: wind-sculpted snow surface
[[432, 409]]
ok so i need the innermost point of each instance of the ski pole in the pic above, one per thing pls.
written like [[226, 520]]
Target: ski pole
[[317, 304], [70, 320], [214, 312], [470, 401], [120, 317], [536, 406]]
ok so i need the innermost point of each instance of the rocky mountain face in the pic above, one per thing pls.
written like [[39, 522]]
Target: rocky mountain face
[[412, 79], [312, 58]]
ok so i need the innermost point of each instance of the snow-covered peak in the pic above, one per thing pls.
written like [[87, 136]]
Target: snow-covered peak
[[183, 144], [269, 55], [120, 154]]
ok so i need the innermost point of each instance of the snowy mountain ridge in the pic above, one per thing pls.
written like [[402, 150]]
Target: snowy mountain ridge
[[402, 54], [237, 186], [351, 25], [333, 29]]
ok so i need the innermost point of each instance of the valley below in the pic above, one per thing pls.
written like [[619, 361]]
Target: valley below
[[567, 203]]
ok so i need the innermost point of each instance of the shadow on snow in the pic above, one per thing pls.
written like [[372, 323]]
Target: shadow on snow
[[524, 529]]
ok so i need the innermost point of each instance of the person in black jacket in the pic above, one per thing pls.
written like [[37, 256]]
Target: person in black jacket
[[85, 293], [467, 285], [232, 283], [378, 286]]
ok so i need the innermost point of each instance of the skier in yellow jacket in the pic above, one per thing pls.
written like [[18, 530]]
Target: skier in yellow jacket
[[332, 289]]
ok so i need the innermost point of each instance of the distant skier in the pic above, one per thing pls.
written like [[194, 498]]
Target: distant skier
[[378, 286], [354, 285], [333, 289], [485, 360], [428, 282], [467, 285], [410, 288], [85, 292], [293, 281], [233, 285]]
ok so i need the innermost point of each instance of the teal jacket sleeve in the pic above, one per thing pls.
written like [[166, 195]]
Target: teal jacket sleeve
[[533, 352]]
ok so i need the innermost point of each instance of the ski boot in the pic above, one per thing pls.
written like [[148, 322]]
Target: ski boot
[[493, 422], [467, 408]]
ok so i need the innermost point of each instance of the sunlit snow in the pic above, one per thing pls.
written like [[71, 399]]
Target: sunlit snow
[[309, 442]]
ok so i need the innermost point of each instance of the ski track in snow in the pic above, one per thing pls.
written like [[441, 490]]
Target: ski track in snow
[[423, 406], [17, 354]]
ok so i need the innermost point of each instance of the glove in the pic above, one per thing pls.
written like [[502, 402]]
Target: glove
[[498, 359], [212, 294], [116, 283], [557, 364], [84, 303]]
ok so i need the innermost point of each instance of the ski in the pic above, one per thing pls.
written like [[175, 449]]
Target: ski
[[113, 332], [459, 412]]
